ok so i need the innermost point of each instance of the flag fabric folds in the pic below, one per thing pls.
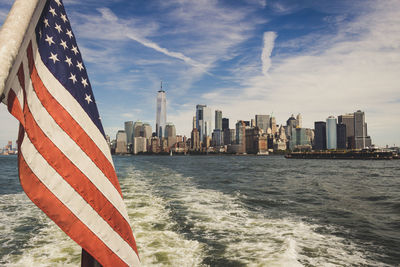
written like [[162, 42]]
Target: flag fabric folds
[[65, 164]]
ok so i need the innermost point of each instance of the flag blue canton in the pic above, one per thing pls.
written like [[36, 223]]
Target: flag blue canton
[[60, 53]]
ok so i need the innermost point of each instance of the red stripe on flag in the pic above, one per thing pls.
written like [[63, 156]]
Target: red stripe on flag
[[82, 185], [13, 104], [69, 125], [14, 107], [21, 76], [64, 218]]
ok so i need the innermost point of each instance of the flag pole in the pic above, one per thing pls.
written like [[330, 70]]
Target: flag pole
[[88, 261], [12, 35]]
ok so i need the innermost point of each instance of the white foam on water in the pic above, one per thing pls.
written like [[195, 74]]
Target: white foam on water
[[158, 244], [255, 239], [47, 246], [14, 208], [50, 247]]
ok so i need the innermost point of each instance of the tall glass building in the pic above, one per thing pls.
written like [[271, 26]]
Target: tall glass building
[[161, 114], [331, 133], [218, 119], [203, 121], [299, 138]]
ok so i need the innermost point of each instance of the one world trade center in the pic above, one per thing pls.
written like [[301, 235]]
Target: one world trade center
[[161, 113]]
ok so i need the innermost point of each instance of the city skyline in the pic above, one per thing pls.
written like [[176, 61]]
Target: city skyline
[[279, 57]]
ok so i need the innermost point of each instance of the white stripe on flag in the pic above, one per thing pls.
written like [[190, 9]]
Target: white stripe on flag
[[71, 150], [76, 204], [66, 100], [18, 92]]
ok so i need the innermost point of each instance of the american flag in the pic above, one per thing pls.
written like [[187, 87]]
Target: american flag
[[65, 164]]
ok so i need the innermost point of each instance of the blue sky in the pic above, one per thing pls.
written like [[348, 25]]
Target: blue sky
[[317, 58]]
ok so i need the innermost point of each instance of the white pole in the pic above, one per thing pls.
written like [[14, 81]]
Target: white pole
[[12, 36]]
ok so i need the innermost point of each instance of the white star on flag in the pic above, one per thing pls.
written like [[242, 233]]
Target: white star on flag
[[63, 44], [46, 23], [64, 17], [84, 82], [58, 28], [49, 40], [68, 60], [74, 49], [58, 2], [54, 57], [79, 66], [88, 98], [69, 33], [53, 11], [72, 78]]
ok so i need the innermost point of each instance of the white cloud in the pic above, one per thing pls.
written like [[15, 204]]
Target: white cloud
[[108, 14], [269, 39], [261, 3], [113, 28], [178, 55]]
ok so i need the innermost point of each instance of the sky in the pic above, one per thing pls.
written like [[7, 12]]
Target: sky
[[279, 57]]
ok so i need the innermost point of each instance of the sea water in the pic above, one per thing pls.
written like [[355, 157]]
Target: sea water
[[229, 211]]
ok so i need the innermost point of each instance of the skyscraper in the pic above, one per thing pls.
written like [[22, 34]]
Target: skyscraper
[[360, 130], [129, 131], [227, 136], [121, 142], [161, 116], [225, 124], [194, 122], [331, 133], [320, 135], [273, 125], [241, 136], [195, 140], [299, 120], [348, 120], [217, 138], [290, 123], [218, 119], [137, 129], [146, 130], [341, 136], [232, 136], [203, 121], [262, 122], [170, 130], [170, 134], [299, 138]]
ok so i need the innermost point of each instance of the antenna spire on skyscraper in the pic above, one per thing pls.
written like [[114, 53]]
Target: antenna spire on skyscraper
[[161, 89]]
